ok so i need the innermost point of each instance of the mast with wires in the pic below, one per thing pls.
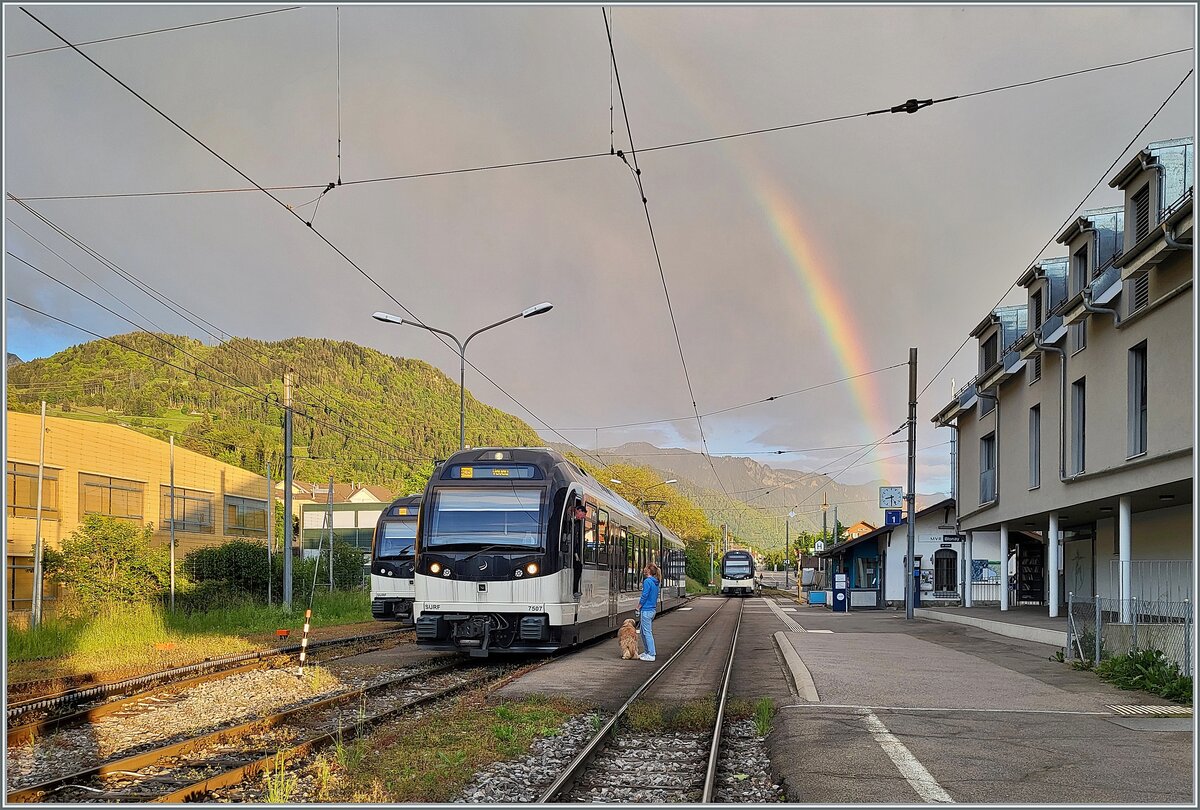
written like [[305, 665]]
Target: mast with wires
[[910, 591], [287, 491]]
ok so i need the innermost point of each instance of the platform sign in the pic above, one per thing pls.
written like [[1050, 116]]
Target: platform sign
[[819, 546], [893, 517]]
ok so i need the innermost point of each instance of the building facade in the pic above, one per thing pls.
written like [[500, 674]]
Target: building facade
[[1077, 431], [96, 468]]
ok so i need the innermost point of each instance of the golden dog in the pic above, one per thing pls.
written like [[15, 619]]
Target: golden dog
[[627, 636]]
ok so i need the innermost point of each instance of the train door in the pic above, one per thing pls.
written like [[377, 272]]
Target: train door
[[616, 571], [602, 573]]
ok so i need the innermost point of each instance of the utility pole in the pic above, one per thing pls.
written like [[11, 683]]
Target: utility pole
[[36, 617], [912, 483], [173, 522], [787, 542], [825, 519], [270, 529], [330, 535], [287, 491], [837, 535], [724, 538]]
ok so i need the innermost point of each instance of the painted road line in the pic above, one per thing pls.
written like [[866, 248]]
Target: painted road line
[[946, 710], [800, 675], [914, 772], [820, 631], [1137, 710], [788, 622]]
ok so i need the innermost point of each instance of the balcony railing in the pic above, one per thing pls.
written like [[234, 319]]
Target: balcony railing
[[965, 394], [1051, 325], [1105, 277], [1175, 206]]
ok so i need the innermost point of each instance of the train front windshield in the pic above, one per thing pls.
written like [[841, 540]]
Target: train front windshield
[[396, 539], [492, 517], [737, 569]]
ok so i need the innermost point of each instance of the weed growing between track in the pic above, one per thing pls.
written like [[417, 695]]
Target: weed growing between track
[[130, 637], [431, 758], [695, 715]]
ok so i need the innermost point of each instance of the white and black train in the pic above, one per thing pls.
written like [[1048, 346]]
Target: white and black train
[[392, 554], [737, 573], [519, 550]]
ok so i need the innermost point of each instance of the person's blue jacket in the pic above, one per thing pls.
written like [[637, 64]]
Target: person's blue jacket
[[649, 594]]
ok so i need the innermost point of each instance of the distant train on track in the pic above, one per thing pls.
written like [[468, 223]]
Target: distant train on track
[[519, 550], [392, 553], [737, 573]]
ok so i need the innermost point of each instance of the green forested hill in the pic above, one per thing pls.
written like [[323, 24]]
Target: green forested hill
[[400, 414]]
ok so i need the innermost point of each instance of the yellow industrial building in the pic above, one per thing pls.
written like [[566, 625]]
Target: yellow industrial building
[[107, 469]]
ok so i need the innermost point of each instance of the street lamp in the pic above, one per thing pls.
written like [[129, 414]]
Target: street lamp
[[537, 309]]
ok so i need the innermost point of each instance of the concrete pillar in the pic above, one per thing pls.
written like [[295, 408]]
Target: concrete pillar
[[1052, 564], [1125, 554], [1004, 566], [968, 601]]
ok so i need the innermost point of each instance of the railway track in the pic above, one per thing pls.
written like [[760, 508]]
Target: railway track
[[187, 770], [208, 669], [136, 700], [681, 767]]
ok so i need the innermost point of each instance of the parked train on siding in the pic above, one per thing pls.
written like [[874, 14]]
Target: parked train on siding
[[737, 573], [519, 550], [392, 554]]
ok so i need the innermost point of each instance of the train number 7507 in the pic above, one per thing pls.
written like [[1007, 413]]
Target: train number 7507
[[537, 608]]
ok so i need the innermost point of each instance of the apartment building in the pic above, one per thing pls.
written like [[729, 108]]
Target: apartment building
[[1077, 430], [98, 468]]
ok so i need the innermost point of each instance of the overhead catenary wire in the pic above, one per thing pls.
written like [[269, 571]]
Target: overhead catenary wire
[[742, 405], [637, 174], [1066, 222], [595, 155], [309, 225], [155, 31]]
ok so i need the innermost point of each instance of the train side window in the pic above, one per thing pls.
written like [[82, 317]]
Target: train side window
[[602, 538], [589, 535]]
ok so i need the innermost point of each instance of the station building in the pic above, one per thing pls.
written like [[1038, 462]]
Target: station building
[[1075, 437], [98, 468]]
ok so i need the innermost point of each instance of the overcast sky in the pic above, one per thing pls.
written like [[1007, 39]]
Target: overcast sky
[[793, 258]]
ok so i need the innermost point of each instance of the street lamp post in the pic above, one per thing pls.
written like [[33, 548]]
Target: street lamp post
[[538, 309]]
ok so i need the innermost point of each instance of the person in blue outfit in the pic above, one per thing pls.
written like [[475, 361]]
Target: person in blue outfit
[[647, 607]]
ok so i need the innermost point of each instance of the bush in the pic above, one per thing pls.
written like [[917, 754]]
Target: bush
[[109, 562], [238, 569], [1150, 671]]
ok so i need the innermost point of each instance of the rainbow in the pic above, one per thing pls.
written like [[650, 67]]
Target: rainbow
[[817, 277]]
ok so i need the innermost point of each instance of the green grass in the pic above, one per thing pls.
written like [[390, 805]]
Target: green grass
[[176, 423], [126, 637], [431, 759]]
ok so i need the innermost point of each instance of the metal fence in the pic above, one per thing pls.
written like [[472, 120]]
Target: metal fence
[[1099, 628]]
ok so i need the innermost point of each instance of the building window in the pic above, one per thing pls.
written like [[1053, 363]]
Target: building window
[[1035, 369], [1138, 290], [114, 497], [1137, 400], [22, 491], [1079, 270], [1035, 447], [945, 570], [1035, 309], [193, 510], [1078, 337], [1078, 425], [1141, 213], [987, 468], [245, 517], [988, 354]]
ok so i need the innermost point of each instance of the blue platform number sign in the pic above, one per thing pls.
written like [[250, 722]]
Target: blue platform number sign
[[892, 517]]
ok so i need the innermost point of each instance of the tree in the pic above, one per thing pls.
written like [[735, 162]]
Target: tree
[[107, 561]]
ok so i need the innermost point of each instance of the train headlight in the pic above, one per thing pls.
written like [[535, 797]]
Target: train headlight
[[532, 568], [435, 568]]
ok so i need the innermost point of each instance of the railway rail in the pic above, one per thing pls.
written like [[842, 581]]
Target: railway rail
[[187, 770], [140, 699], [610, 757], [214, 666]]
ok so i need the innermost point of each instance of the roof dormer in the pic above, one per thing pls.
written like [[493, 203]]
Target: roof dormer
[[1156, 181]]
